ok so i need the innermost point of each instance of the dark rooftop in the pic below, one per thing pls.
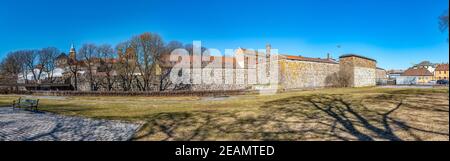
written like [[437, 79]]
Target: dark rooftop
[[359, 56], [301, 58]]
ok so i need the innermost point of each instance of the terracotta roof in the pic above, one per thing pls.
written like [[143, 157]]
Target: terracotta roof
[[301, 58], [359, 56], [417, 72], [442, 67]]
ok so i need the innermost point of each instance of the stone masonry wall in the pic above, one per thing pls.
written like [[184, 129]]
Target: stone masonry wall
[[302, 74], [359, 62], [362, 70], [293, 74], [215, 81], [364, 77]]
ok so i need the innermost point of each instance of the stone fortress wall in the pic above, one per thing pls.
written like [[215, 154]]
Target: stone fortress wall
[[362, 69], [304, 74], [296, 74]]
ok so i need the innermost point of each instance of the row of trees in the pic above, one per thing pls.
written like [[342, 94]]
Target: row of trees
[[141, 54], [36, 62], [90, 59], [138, 60], [130, 65]]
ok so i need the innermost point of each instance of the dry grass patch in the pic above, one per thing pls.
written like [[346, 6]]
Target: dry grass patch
[[327, 114]]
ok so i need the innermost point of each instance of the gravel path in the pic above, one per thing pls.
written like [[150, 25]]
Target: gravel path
[[19, 125]]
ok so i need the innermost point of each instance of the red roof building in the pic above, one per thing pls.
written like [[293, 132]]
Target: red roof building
[[417, 72]]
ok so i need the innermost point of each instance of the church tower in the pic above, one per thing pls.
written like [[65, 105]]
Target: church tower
[[72, 53]]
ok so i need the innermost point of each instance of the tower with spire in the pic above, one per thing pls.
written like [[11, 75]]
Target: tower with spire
[[72, 53]]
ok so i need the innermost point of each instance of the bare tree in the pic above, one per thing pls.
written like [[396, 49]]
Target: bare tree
[[166, 65], [126, 66], [107, 62], [47, 57], [148, 47], [25, 71], [11, 67], [74, 66], [89, 55], [31, 61], [190, 49]]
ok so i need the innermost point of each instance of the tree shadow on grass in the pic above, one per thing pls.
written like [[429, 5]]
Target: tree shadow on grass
[[353, 117], [312, 117]]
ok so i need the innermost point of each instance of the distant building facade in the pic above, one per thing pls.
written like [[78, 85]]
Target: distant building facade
[[393, 74], [381, 76], [441, 72], [414, 76]]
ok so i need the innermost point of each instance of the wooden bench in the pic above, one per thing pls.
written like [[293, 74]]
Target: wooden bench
[[25, 103]]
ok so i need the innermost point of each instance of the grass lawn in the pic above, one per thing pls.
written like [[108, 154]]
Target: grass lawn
[[327, 114]]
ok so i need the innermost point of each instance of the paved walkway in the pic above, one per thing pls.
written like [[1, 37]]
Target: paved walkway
[[19, 125]]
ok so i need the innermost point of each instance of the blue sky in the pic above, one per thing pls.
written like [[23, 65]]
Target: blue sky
[[395, 32]]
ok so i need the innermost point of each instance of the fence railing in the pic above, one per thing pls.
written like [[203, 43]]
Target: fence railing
[[138, 93]]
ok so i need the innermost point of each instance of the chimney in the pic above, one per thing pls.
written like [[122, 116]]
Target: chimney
[[328, 56], [268, 48]]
